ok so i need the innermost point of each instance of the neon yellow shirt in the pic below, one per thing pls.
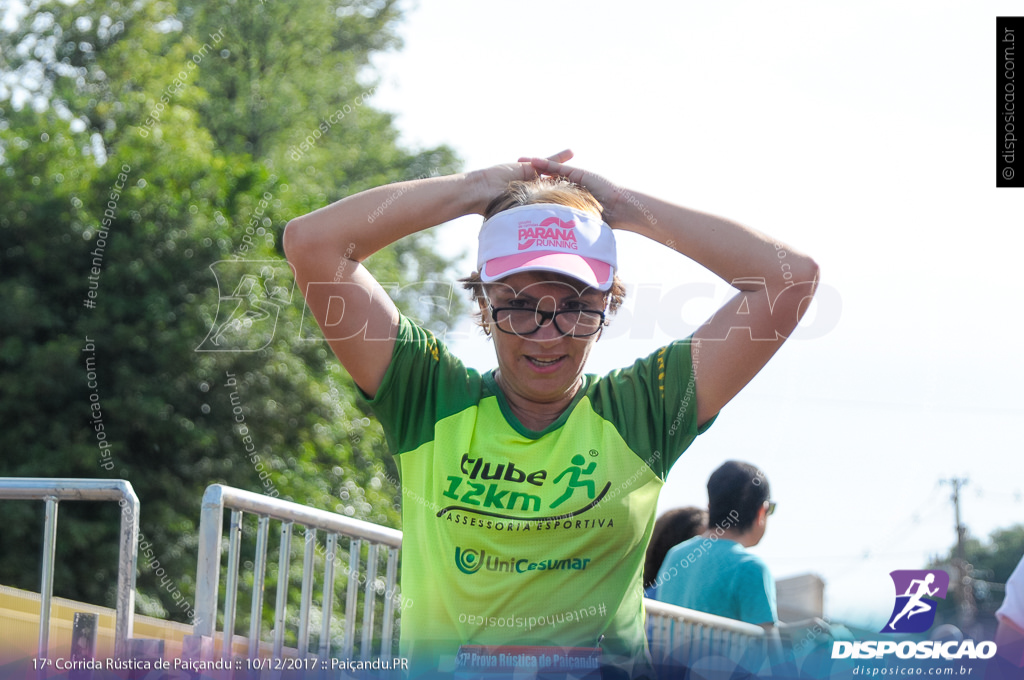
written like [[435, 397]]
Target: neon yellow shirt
[[517, 537]]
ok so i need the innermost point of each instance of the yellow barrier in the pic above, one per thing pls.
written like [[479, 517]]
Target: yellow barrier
[[19, 626]]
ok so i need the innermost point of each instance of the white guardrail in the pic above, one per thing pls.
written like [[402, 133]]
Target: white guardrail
[[338, 529], [676, 635], [53, 491]]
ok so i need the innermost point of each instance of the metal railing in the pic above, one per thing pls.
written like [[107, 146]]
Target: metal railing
[[218, 498], [674, 633], [53, 491], [676, 636], [679, 636]]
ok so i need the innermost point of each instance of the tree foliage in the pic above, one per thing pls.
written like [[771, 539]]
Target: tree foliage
[[181, 125], [989, 567]]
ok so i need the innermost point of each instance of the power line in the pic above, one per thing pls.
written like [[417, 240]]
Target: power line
[[965, 590], [881, 548]]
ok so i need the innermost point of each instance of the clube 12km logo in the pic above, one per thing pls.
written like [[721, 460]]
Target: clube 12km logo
[[917, 595]]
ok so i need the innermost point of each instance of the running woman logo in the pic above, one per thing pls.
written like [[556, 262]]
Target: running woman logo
[[468, 561], [250, 303], [561, 235], [914, 612]]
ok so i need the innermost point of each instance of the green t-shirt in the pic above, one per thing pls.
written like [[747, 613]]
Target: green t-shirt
[[517, 537]]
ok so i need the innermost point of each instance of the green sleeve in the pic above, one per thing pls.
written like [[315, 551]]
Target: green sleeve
[[653, 404], [424, 383]]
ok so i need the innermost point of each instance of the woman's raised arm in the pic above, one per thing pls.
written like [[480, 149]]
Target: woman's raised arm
[[775, 282], [327, 246]]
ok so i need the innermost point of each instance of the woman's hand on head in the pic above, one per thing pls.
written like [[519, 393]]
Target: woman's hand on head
[[494, 180], [606, 193]]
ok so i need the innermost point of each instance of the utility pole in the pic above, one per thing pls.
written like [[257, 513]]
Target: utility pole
[[967, 606]]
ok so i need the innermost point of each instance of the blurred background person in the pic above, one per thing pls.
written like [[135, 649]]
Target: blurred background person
[[715, 572], [671, 529], [1010, 634]]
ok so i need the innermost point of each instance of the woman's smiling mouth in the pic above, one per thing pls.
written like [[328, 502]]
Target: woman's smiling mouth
[[545, 363]]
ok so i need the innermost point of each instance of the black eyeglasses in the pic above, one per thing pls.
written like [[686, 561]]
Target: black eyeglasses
[[771, 507], [578, 323]]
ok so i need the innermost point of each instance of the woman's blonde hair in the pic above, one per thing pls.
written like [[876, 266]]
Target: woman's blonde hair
[[556, 190]]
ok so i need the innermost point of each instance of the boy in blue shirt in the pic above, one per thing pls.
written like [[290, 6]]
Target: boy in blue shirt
[[714, 572]]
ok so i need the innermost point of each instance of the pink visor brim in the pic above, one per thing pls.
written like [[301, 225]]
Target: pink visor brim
[[594, 273]]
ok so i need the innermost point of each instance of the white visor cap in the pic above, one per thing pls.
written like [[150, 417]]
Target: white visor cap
[[548, 237]]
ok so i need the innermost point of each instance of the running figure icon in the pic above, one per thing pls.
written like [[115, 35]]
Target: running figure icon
[[914, 604], [575, 471]]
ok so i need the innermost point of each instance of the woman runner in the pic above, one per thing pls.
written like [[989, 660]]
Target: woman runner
[[529, 491]]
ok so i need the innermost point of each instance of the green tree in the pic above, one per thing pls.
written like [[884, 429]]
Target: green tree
[[989, 566], [182, 125]]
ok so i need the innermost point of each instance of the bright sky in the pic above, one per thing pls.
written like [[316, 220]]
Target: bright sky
[[862, 133]]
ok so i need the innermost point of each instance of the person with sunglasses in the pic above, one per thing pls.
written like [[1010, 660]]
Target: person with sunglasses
[[715, 572], [529, 491]]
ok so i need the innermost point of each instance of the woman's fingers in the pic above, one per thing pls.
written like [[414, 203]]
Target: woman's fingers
[[548, 166], [603, 190], [560, 157]]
